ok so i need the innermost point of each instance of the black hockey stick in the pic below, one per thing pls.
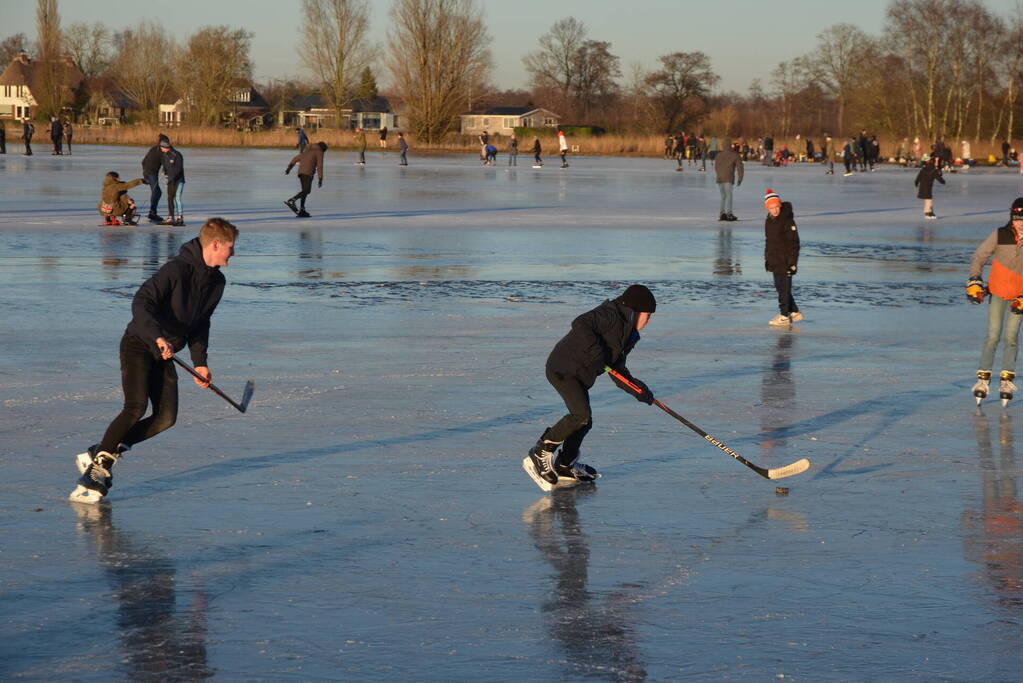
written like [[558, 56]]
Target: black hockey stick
[[250, 386], [797, 467]]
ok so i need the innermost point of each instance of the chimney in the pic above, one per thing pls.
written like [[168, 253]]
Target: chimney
[[22, 57]]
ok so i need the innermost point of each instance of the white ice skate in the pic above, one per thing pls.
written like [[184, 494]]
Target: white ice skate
[[1006, 388], [983, 385]]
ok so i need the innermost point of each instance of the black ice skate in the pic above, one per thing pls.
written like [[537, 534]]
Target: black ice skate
[[290, 203], [575, 472], [981, 388], [1005, 387], [96, 480], [539, 464], [302, 214]]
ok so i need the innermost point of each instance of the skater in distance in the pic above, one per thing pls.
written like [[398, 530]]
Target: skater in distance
[[728, 168], [1004, 246], [602, 337], [171, 310], [930, 172], [309, 163], [781, 255]]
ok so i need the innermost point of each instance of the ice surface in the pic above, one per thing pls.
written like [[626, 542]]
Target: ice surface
[[368, 519]]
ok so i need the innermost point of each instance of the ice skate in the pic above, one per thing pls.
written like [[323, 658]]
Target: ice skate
[[169, 220], [302, 214], [1006, 388], [155, 218], [290, 203], [931, 216], [779, 320], [731, 217], [983, 385], [795, 316], [96, 480], [574, 473], [723, 217], [179, 222], [539, 464]]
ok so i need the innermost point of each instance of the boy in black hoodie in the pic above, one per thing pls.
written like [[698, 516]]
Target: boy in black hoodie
[[171, 310], [781, 255], [151, 165], [599, 338]]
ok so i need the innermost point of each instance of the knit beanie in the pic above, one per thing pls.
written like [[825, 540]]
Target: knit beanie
[[771, 198], [1017, 209], [639, 299]]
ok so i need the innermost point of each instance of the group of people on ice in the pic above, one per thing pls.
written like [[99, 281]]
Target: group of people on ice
[[117, 207]]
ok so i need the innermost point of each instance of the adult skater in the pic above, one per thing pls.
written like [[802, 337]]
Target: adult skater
[[563, 148], [383, 138], [827, 150], [360, 142], [600, 338], [704, 150], [152, 163], [727, 165], [848, 157], [1004, 246], [3, 138], [513, 150], [171, 310], [173, 165], [309, 163], [114, 202], [56, 136], [27, 131], [301, 140], [862, 148], [402, 149], [69, 133], [537, 161], [930, 172], [781, 255], [1005, 152]]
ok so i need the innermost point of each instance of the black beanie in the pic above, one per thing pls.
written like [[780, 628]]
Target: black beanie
[[639, 299], [1017, 209]]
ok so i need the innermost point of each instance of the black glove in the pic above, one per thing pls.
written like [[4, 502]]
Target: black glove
[[287, 170], [320, 184], [644, 395]]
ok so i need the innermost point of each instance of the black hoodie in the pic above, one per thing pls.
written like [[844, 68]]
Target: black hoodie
[[176, 303], [781, 241], [601, 337], [153, 161]]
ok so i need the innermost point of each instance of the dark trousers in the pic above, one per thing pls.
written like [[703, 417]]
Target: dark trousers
[[848, 164], [783, 284], [57, 142], [144, 380], [537, 160], [154, 193], [572, 428], [67, 141], [3, 144], [307, 187], [28, 147], [404, 159], [362, 155]]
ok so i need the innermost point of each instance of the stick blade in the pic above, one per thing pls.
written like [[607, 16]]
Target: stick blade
[[798, 467], [250, 387]]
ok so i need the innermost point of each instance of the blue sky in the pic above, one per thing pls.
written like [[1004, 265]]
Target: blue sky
[[745, 39]]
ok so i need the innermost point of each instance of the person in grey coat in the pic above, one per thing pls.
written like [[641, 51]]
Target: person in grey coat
[[727, 165]]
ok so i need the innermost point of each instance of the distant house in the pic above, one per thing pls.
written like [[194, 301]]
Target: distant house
[[313, 110], [504, 120], [24, 74], [107, 103], [172, 108], [244, 107]]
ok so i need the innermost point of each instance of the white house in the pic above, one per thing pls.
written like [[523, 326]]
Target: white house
[[22, 74], [504, 120], [245, 105], [314, 111]]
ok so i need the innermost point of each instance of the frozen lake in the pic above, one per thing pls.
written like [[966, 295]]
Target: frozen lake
[[368, 518]]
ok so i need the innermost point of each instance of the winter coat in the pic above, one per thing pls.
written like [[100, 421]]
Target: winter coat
[[69, 132], [360, 140], [173, 166], [601, 337], [513, 146], [114, 196], [1006, 277], [781, 241], [925, 181], [383, 133], [176, 303], [536, 147], [309, 161], [27, 131], [562, 143], [56, 130], [726, 165], [402, 145], [153, 161], [302, 139]]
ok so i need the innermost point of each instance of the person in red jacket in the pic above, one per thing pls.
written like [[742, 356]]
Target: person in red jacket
[[781, 255]]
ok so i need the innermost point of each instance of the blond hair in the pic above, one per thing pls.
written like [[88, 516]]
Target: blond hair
[[217, 229]]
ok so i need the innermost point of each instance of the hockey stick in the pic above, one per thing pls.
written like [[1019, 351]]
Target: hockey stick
[[797, 467], [250, 386]]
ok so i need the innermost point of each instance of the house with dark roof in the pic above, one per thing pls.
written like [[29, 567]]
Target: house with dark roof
[[245, 107], [23, 75], [107, 103], [504, 120], [313, 110]]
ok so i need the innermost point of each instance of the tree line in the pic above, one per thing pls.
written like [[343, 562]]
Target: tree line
[[940, 68]]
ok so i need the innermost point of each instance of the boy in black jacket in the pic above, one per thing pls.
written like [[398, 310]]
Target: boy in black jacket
[[600, 338], [151, 165], [170, 310], [781, 255]]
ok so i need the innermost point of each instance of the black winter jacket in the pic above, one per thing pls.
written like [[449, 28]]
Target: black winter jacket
[[153, 161], [174, 166], [601, 337], [925, 181], [781, 243], [176, 303]]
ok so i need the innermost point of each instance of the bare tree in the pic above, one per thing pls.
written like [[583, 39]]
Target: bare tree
[[48, 76], [89, 47], [334, 47], [685, 78], [437, 55], [10, 47], [143, 65], [554, 67], [595, 81], [837, 63], [213, 64]]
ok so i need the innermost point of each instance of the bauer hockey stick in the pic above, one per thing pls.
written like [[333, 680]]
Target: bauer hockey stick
[[797, 467], [250, 386]]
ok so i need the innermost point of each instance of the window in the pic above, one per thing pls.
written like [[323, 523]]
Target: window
[[509, 123], [548, 121], [486, 123]]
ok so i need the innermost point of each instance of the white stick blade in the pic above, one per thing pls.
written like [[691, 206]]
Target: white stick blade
[[798, 467]]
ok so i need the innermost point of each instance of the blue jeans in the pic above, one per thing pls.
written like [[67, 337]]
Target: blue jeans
[[154, 193], [726, 197], [997, 328]]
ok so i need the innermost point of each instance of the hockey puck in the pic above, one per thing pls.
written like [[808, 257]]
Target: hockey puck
[[781, 491]]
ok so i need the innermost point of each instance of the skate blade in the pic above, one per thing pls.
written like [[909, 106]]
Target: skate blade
[[84, 495], [567, 482], [1005, 402], [544, 485]]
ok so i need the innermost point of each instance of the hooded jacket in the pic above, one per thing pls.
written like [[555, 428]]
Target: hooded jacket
[[726, 165], [176, 303], [153, 161], [309, 161], [781, 243], [113, 195], [1006, 277], [173, 166], [925, 181], [601, 337]]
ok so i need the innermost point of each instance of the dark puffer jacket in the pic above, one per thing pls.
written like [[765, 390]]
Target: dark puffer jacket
[[925, 181], [781, 243], [601, 337], [176, 303]]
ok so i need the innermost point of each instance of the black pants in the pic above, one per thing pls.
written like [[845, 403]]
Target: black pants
[[28, 147], [154, 193], [57, 142], [307, 187], [848, 164], [172, 192], [144, 380], [67, 140], [3, 144], [572, 428], [786, 304]]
